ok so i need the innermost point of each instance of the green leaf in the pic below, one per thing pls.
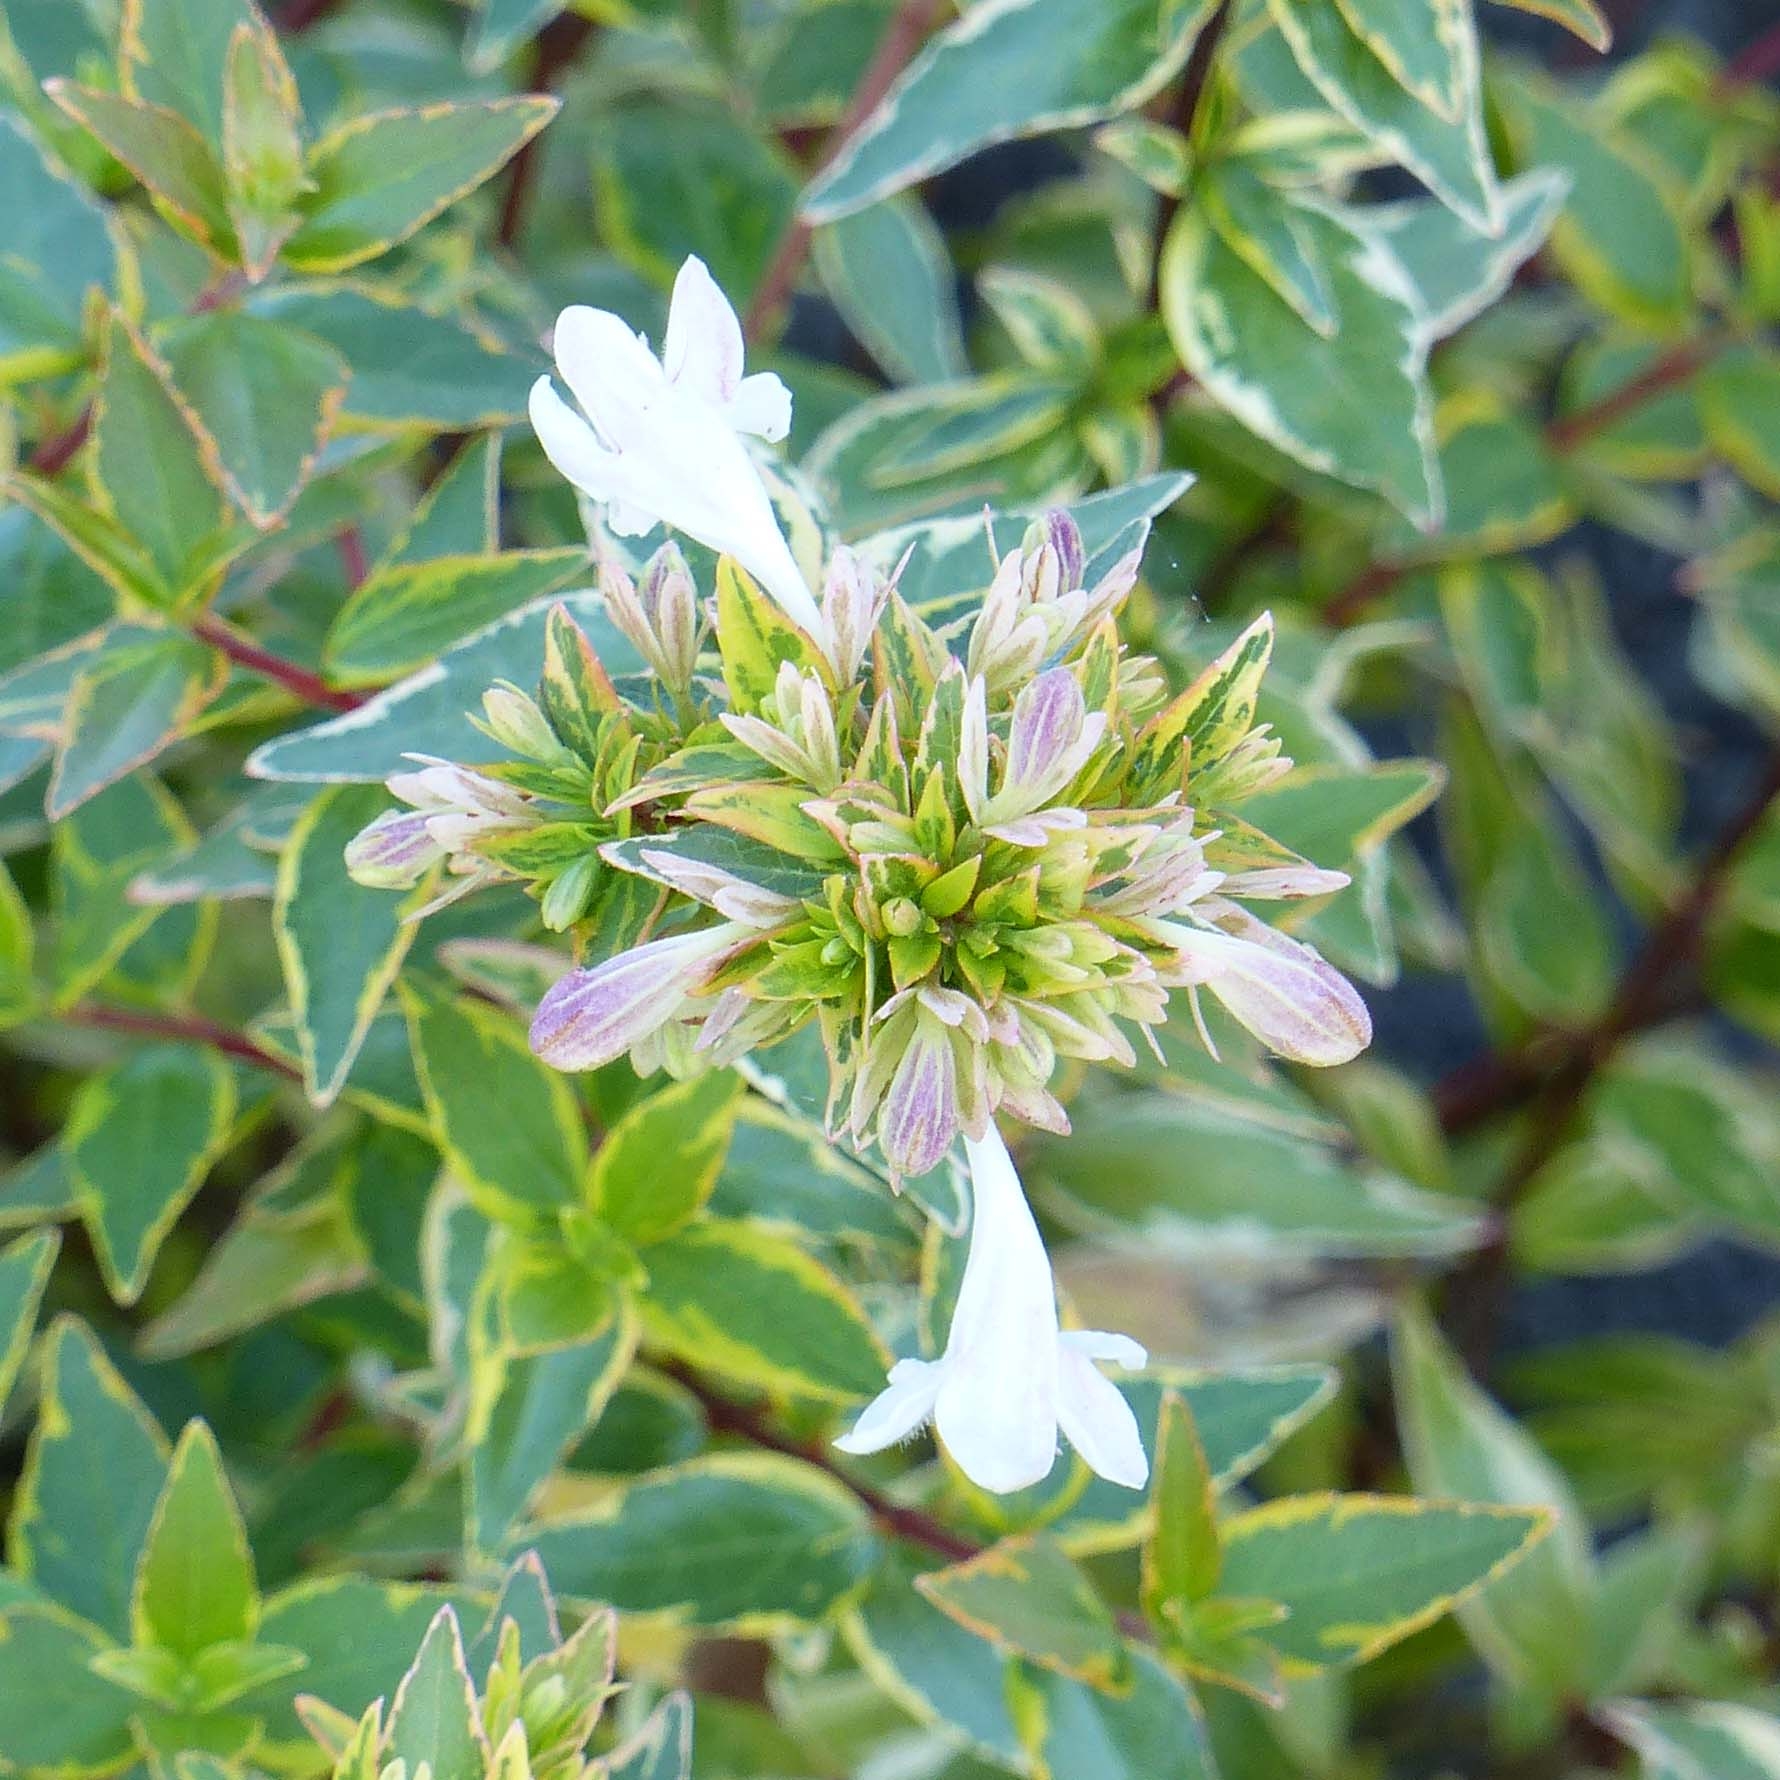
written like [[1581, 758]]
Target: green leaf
[[1240, 1419], [140, 1140], [175, 53], [1620, 237], [410, 366], [781, 1168], [1181, 1556], [359, 1637], [746, 1540], [1355, 404], [1423, 43], [125, 708], [1266, 228], [1582, 18], [996, 75], [750, 1305], [404, 616], [691, 1121], [146, 468], [194, 1583], [1738, 393], [1599, 1207], [502, 26], [164, 152], [262, 400], [509, 1124], [459, 515], [97, 540], [1358, 1573], [272, 1258], [426, 714], [24, 1272], [56, 1715], [1455, 271], [38, 1190], [887, 270], [1251, 1190], [59, 250], [755, 637], [434, 1720], [93, 1473], [1531, 1624], [1449, 155], [1025, 1597], [661, 1750], [902, 456], [380, 178], [1051, 327], [545, 1404], [1701, 1739], [18, 947], [674, 178], [1150, 1732], [930, 1666], [1711, 1130], [340, 944], [1663, 438], [1504, 489], [99, 851], [262, 145]]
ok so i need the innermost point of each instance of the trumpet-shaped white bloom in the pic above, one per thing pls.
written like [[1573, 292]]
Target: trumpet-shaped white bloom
[[659, 440], [1010, 1378]]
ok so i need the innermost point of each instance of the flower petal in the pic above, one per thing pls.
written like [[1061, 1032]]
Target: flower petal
[[393, 852], [1100, 1344], [1283, 992], [592, 1017], [1097, 1421], [570, 443], [901, 1409], [702, 349], [999, 1426], [610, 372], [761, 405]]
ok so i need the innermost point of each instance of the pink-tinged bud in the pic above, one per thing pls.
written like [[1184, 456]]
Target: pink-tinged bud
[[1280, 990], [1050, 740], [592, 1017], [394, 852], [852, 597], [670, 601], [920, 1115], [1064, 537]]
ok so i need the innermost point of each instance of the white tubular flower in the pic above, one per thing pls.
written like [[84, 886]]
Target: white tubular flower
[[1010, 1378], [659, 440]]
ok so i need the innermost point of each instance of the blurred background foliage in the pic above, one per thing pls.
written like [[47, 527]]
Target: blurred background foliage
[[1462, 325]]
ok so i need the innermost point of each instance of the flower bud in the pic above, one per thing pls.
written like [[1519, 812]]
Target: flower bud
[[516, 722]]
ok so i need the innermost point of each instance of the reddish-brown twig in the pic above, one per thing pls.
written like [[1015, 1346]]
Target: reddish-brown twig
[[299, 682], [1476, 1291], [183, 1029], [904, 35]]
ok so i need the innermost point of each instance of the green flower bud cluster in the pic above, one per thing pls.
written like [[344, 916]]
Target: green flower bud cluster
[[968, 853]]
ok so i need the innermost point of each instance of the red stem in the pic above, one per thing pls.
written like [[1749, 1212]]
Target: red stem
[[185, 1028], [1754, 63], [901, 39], [310, 688], [911, 1524]]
